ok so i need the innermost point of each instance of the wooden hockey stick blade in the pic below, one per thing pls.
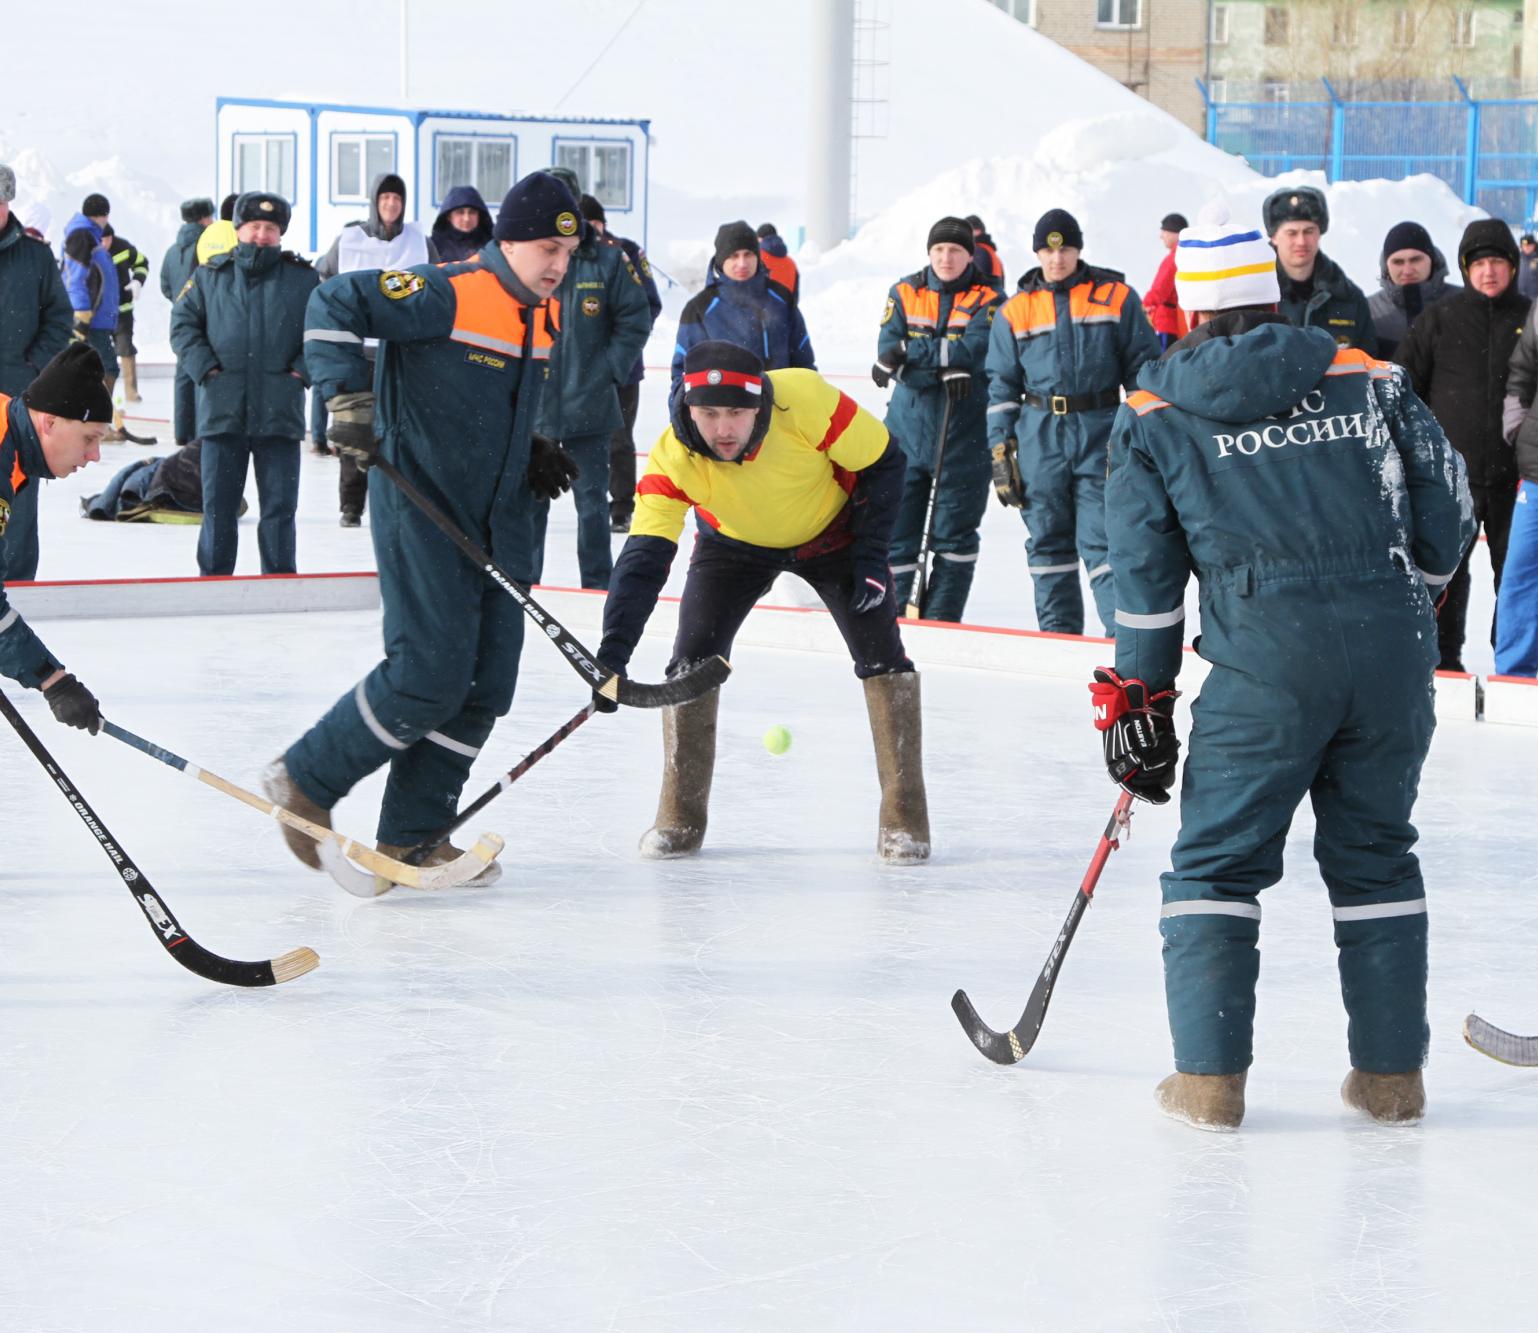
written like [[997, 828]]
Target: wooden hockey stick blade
[[687, 685], [1507, 1047], [373, 883], [912, 612], [293, 964]]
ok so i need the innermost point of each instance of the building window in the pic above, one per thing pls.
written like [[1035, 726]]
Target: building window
[[1275, 90], [1464, 28], [1218, 36], [265, 162], [1024, 10], [1345, 30], [603, 169], [357, 160], [1217, 90], [486, 163], [1119, 13], [1278, 25], [1404, 28]]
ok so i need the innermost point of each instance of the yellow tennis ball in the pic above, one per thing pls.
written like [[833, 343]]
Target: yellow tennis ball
[[777, 740]]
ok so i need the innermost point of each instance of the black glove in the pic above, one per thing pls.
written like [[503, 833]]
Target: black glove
[[73, 704], [1006, 474], [551, 469], [957, 384], [351, 430], [1138, 734], [884, 372], [870, 583]]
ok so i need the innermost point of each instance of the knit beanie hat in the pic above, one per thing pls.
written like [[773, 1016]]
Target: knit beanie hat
[[1173, 222], [71, 386], [721, 374], [732, 237], [1219, 265], [1057, 229], [1407, 236], [952, 231], [1295, 203], [592, 210], [260, 206], [95, 206], [1487, 237], [195, 210], [538, 206], [390, 183], [7, 184]]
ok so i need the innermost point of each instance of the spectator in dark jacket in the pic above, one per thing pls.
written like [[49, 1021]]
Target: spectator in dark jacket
[[774, 255], [622, 445], [176, 268], [1458, 354], [1516, 615], [239, 330], [1316, 293], [742, 305], [1412, 274], [1527, 271], [34, 328], [463, 225]]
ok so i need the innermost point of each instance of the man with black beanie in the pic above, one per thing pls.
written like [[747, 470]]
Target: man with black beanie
[[742, 304], [785, 474], [1412, 275], [1457, 354], [53, 428], [462, 353]]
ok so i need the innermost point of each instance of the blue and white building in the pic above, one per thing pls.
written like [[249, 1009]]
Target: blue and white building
[[322, 158]]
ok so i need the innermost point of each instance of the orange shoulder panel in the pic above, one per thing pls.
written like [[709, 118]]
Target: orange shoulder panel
[[1142, 402]]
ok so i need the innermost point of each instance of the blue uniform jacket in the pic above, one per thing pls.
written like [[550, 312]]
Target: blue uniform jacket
[[1086, 334], [22, 655], [642, 265], [1282, 470], [461, 365], [942, 326], [607, 324], [90, 276], [243, 315], [1336, 305], [180, 260], [34, 308], [755, 313]]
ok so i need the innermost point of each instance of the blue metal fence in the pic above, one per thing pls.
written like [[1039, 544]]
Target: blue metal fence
[[1484, 147]]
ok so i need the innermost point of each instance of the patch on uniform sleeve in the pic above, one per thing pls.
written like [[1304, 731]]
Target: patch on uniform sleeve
[[891, 308], [591, 305], [644, 264], [186, 287], [397, 284]]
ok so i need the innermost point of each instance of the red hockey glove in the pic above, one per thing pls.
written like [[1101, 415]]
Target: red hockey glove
[[1138, 733]]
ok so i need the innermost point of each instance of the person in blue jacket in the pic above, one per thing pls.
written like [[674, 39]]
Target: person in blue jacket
[[238, 328], [741, 304], [607, 322], [1322, 510], [463, 225], [35, 323], [934, 345], [1062, 348], [462, 353], [91, 279], [181, 258]]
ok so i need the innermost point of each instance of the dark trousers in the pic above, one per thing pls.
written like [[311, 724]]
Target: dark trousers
[[726, 577], [123, 338], [351, 486], [317, 417], [622, 456], [1492, 510], [276, 463], [589, 493], [184, 407], [105, 343]]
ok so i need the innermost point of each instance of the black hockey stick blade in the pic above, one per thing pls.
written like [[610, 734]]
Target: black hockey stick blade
[[1498, 1044], [168, 930], [687, 685]]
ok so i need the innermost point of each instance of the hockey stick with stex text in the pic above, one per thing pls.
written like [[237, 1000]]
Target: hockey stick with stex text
[[168, 930], [1007, 1048], [687, 685], [335, 847], [1498, 1044]]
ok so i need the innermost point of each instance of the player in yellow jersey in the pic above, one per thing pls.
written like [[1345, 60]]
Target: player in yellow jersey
[[783, 472]]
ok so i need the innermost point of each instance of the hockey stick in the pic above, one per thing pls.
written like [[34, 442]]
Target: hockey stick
[[1498, 1044], [1007, 1048], [442, 835], [446, 876], [915, 608], [680, 689], [168, 930]]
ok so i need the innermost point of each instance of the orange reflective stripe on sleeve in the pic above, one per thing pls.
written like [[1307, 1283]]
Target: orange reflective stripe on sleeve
[[1353, 361], [18, 477], [843, 414], [486, 315], [921, 307], [1142, 402]]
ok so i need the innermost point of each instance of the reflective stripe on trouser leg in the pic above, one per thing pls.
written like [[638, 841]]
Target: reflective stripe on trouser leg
[[1211, 963], [958, 516], [590, 496], [1090, 539], [1050, 547], [908, 530]]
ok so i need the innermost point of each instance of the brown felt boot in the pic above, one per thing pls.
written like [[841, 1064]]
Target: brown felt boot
[[1390, 1099], [130, 366], [688, 763], [443, 852], [897, 728], [115, 433], [281, 789], [1205, 1101]]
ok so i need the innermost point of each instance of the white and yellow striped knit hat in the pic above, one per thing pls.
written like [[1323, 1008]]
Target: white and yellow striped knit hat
[[1220, 265]]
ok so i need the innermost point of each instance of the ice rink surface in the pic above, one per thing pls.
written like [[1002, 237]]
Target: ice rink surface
[[725, 1093]]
